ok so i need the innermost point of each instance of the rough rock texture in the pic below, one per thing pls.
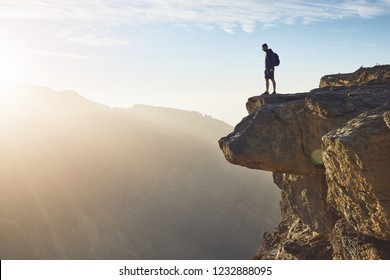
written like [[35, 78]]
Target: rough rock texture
[[349, 244], [357, 164], [363, 76], [329, 150], [306, 220]]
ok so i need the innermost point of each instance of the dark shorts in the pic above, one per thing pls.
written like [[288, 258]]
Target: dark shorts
[[269, 73]]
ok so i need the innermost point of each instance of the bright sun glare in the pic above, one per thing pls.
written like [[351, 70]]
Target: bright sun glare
[[11, 68]]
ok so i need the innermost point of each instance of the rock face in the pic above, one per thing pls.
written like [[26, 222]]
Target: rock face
[[363, 76], [329, 150], [358, 177]]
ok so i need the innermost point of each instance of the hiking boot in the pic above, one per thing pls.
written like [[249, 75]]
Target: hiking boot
[[266, 92], [274, 92]]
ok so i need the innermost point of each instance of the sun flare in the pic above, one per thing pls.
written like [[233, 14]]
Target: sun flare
[[11, 65]]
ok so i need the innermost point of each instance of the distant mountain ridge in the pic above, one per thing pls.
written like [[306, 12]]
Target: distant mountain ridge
[[80, 180], [202, 126]]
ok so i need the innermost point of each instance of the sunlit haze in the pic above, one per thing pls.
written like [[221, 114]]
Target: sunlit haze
[[111, 112], [79, 180], [195, 55]]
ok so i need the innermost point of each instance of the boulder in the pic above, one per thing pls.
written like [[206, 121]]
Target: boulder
[[329, 150], [357, 162]]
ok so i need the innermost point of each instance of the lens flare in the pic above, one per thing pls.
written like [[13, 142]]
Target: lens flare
[[316, 157]]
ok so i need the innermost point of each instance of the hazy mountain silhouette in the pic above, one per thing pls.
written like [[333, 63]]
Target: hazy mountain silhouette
[[80, 180]]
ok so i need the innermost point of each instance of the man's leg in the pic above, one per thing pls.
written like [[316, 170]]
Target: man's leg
[[273, 84], [266, 85]]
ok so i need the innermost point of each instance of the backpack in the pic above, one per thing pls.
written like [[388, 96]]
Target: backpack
[[276, 59]]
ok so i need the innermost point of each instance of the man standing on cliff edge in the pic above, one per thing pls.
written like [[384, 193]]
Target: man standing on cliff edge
[[269, 69]]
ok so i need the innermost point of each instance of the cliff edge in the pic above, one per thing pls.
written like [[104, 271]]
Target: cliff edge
[[329, 151]]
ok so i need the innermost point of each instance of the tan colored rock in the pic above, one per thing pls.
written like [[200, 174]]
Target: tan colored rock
[[357, 162], [347, 244], [256, 102], [305, 196], [285, 134], [294, 240], [361, 77], [306, 220], [386, 117], [270, 139]]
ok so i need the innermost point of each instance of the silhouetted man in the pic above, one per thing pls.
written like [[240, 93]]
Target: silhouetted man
[[269, 69]]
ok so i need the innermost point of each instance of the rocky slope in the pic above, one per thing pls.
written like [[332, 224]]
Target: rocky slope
[[329, 151]]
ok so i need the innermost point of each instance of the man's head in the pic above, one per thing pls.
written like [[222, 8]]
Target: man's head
[[265, 47]]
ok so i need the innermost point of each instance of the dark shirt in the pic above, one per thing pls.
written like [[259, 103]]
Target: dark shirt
[[269, 59]]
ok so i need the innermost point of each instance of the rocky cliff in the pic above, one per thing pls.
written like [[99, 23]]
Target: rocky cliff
[[329, 151]]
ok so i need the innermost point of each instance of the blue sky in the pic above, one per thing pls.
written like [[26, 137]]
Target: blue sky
[[195, 55]]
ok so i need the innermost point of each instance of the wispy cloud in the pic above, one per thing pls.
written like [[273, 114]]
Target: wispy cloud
[[93, 39], [228, 15], [57, 54]]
